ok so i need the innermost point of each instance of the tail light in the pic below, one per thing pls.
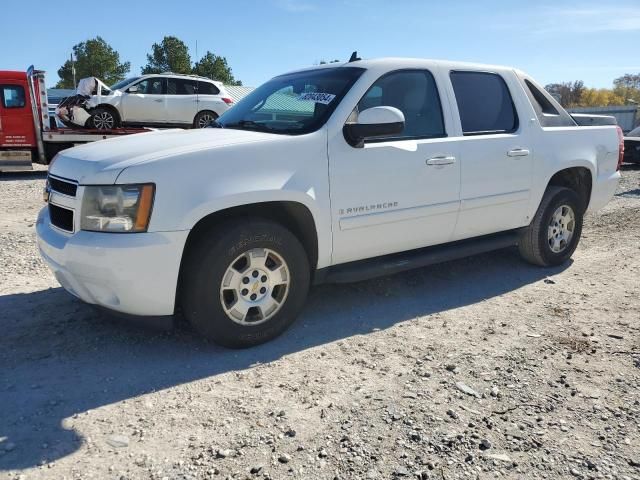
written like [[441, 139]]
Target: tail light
[[227, 100], [620, 147]]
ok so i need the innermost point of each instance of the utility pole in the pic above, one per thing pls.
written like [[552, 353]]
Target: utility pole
[[73, 70]]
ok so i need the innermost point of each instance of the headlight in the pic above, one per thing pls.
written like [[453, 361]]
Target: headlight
[[117, 208]]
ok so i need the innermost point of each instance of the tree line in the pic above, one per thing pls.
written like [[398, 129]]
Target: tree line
[[625, 91], [96, 58]]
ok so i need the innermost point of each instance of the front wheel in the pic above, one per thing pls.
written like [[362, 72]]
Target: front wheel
[[554, 232], [244, 282], [103, 119]]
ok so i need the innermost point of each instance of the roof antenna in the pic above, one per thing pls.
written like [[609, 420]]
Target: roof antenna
[[354, 57]]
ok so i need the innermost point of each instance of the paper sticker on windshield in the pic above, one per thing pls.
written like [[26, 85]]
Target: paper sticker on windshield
[[324, 98]]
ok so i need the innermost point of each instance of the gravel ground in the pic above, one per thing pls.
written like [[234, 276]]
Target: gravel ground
[[480, 368]]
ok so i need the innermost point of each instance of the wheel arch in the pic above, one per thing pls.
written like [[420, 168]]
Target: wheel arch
[[293, 215], [109, 107], [578, 178]]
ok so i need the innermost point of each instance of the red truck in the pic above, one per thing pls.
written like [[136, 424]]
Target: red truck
[[28, 132]]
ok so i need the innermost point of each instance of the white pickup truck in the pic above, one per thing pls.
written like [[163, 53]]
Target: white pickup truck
[[329, 174]]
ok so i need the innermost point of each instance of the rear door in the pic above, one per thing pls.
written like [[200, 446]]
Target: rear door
[[496, 152], [16, 116], [147, 104], [182, 98]]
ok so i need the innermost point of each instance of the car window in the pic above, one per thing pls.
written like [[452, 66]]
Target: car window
[[415, 94], [547, 113], [181, 86], [150, 86], [207, 88], [292, 104], [123, 83], [484, 103], [12, 96]]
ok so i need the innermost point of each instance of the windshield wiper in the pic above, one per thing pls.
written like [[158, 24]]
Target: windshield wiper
[[248, 125]]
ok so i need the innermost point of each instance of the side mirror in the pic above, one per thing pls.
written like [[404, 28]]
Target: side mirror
[[374, 122], [133, 89]]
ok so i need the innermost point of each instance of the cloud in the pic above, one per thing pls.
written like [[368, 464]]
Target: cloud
[[295, 6], [588, 20]]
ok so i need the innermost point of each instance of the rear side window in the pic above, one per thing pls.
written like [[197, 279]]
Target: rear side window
[[415, 94], [484, 103], [181, 86], [548, 115], [12, 96], [206, 88]]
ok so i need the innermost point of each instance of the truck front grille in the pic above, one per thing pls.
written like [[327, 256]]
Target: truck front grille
[[64, 187], [61, 217]]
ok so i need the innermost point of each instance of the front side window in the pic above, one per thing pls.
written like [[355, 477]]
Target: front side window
[[415, 94], [150, 86], [292, 104], [181, 86], [13, 96], [484, 103]]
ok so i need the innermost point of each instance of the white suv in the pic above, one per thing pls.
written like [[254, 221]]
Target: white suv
[[165, 99]]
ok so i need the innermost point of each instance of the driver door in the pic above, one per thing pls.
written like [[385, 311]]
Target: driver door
[[401, 193], [147, 104]]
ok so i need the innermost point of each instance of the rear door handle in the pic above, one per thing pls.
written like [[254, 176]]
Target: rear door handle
[[158, 100], [441, 160], [518, 152]]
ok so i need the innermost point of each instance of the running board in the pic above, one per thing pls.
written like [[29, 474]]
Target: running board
[[400, 262]]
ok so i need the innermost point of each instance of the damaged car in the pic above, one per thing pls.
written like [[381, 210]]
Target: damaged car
[[155, 100]]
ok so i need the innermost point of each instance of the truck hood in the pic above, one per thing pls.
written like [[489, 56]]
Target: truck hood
[[101, 162]]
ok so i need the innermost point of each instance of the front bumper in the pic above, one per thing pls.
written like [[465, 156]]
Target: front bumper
[[134, 274]]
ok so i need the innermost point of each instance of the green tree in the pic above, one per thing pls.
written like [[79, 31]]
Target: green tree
[[216, 68], [94, 58], [567, 93], [170, 55], [628, 87]]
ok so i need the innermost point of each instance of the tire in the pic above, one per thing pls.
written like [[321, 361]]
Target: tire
[[204, 118], [206, 300], [537, 241], [103, 119]]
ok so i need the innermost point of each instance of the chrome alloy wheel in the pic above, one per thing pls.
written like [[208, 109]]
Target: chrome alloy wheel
[[255, 286], [103, 121], [205, 119], [561, 228]]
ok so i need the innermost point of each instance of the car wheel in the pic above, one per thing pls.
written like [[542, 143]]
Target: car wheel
[[244, 282], [204, 118], [103, 119], [555, 231]]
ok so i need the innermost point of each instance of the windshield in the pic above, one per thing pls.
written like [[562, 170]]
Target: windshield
[[123, 83], [292, 104], [634, 133]]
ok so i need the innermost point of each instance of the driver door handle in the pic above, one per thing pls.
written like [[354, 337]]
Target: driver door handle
[[441, 160], [159, 100]]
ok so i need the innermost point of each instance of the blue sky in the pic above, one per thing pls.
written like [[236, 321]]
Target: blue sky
[[595, 41]]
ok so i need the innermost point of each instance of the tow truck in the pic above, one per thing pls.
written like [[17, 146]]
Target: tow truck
[[29, 132]]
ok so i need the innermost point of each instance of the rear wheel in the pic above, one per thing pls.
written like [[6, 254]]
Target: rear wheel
[[103, 119], [244, 282], [555, 231], [204, 118]]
